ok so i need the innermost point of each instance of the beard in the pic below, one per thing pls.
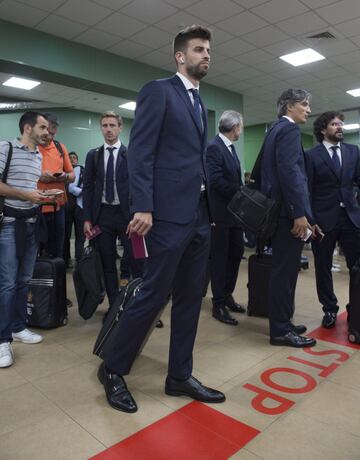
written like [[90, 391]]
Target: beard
[[336, 137], [196, 71]]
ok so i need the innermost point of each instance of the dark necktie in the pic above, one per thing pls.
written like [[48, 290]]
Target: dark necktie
[[197, 107], [233, 152], [109, 184], [336, 160]]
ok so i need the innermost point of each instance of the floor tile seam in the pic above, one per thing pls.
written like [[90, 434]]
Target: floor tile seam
[[68, 415], [56, 372], [253, 453], [17, 385], [323, 422]]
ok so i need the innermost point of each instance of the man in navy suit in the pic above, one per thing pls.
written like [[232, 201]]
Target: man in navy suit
[[168, 190], [283, 177], [106, 199], [333, 169], [227, 242]]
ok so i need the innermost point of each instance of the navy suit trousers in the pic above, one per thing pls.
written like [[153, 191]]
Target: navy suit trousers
[[286, 253], [113, 225], [348, 237], [176, 265]]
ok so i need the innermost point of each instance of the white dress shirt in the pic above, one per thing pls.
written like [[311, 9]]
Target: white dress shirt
[[328, 146]]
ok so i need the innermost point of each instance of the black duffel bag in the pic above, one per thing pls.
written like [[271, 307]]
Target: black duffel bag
[[89, 282], [253, 210]]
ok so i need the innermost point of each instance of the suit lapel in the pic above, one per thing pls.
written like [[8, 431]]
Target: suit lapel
[[181, 90], [324, 154], [100, 165], [345, 161], [120, 156]]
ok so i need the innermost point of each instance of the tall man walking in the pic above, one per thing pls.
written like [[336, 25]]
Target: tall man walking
[[168, 188]]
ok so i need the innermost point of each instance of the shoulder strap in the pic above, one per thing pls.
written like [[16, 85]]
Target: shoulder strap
[[255, 178], [59, 147], [4, 178]]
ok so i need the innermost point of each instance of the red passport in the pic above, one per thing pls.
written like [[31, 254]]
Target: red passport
[[138, 246]]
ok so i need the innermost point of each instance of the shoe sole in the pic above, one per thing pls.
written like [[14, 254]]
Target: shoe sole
[[26, 341], [181, 393], [7, 364], [229, 324], [276, 344]]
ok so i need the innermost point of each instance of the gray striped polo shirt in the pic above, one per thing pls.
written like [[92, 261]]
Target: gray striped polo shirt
[[24, 171]]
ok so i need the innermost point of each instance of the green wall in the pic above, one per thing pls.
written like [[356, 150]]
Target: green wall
[[253, 138], [78, 140]]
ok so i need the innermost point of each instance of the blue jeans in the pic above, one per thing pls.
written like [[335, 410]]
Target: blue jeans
[[15, 275]]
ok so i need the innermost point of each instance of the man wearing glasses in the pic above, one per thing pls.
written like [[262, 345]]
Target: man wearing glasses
[[333, 169]]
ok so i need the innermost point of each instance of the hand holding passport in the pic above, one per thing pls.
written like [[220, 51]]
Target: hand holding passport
[[138, 244]]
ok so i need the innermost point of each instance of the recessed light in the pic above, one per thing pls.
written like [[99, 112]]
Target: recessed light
[[21, 83], [302, 57], [354, 92], [351, 126], [7, 105], [128, 105]]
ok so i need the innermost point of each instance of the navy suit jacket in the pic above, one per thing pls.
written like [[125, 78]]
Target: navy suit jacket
[[327, 189], [225, 180], [93, 184], [283, 174], [166, 154]]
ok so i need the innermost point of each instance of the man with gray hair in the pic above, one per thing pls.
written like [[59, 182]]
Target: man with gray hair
[[283, 178], [227, 243]]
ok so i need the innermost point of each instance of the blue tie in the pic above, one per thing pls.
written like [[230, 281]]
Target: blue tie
[[109, 184], [336, 160], [197, 107]]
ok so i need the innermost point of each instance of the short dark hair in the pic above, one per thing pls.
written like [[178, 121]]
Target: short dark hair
[[29, 118], [111, 114], [290, 97], [74, 154], [180, 42], [52, 118], [322, 122]]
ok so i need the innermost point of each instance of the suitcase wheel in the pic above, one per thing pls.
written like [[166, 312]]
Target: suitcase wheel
[[354, 337]]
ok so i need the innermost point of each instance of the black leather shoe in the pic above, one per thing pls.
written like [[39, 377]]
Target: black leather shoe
[[117, 394], [328, 320], [159, 324], [221, 314], [233, 306], [299, 329], [194, 389], [291, 339]]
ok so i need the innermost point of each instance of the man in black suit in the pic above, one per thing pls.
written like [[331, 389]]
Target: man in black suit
[[283, 177], [227, 242], [106, 199], [168, 189], [333, 169]]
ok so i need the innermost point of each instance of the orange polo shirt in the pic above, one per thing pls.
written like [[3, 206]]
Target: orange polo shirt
[[54, 162]]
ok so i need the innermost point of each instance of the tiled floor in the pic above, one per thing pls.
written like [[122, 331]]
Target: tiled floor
[[52, 406]]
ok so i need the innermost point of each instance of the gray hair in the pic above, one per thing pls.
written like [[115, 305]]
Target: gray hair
[[228, 120], [291, 97]]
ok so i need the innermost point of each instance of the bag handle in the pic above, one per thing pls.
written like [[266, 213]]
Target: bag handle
[[4, 179]]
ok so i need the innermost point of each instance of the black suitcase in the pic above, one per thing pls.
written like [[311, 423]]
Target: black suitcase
[[353, 307], [259, 267], [106, 340], [46, 302]]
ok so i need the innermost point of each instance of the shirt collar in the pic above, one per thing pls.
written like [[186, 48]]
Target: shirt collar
[[186, 82], [17, 143], [226, 141], [117, 145], [327, 145], [288, 118]]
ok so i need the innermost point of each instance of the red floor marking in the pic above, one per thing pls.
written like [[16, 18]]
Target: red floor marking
[[338, 334], [194, 431]]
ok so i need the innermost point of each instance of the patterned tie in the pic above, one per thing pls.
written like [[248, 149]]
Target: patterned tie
[[335, 159], [109, 184], [197, 107]]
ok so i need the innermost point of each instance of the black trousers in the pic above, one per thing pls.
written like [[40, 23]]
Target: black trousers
[[348, 236], [227, 249], [74, 216], [113, 224]]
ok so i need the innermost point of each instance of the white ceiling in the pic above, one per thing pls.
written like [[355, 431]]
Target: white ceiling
[[249, 37]]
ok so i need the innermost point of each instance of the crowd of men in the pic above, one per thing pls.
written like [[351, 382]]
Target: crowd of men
[[169, 186]]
